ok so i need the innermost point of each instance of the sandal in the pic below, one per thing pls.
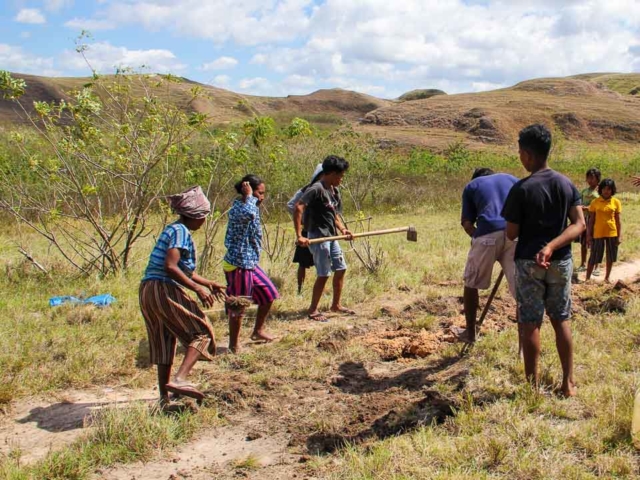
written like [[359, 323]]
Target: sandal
[[318, 317], [185, 390], [345, 311]]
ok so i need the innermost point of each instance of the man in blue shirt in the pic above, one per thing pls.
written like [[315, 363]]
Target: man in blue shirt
[[482, 202]]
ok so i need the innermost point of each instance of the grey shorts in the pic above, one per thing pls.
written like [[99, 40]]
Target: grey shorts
[[538, 290], [484, 253]]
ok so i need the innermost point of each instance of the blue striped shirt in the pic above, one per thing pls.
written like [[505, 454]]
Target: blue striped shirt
[[244, 234], [175, 235]]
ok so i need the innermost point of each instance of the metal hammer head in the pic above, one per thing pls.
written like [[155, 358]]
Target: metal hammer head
[[412, 234]]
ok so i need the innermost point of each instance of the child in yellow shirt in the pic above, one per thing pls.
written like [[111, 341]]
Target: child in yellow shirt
[[605, 229]]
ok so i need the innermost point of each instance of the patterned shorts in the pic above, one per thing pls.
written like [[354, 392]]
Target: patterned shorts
[[538, 290], [598, 247], [251, 283]]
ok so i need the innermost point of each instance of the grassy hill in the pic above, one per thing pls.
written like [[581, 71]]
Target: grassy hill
[[591, 108], [222, 106], [596, 107]]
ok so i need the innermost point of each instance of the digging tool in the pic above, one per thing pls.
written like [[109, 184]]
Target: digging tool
[[485, 310], [412, 235]]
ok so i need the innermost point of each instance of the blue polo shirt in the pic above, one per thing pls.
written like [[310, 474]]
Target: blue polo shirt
[[483, 200]]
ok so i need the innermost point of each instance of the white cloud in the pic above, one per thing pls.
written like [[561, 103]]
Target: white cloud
[[256, 86], [25, 34], [222, 63], [246, 22], [105, 58], [30, 15], [462, 46], [56, 5], [14, 59], [90, 24], [221, 81]]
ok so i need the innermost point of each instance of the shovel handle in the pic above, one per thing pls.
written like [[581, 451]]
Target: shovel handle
[[314, 241]]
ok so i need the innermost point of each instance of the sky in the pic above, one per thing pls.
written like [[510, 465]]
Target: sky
[[281, 47]]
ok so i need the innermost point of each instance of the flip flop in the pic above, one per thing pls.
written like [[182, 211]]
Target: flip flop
[[185, 390], [345, 311], [318, 317]]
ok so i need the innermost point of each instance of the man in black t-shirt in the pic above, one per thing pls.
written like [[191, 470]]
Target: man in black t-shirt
[[536, 211], [322, 205]]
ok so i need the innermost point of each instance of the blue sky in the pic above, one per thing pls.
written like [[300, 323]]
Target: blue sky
[[280, 47]]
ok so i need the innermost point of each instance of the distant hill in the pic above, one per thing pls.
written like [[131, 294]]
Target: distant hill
[[596, 107], [593, 108], [420, 94], [222, 106]]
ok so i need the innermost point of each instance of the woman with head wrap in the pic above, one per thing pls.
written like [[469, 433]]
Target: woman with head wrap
[[170, 314]]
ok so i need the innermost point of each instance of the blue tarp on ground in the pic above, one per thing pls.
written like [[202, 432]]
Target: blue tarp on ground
[[98, 300]]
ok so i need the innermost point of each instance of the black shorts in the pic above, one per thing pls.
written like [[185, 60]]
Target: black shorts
[[303, 255], [598, 247]]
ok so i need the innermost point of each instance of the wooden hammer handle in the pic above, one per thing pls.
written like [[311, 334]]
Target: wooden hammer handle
[[313, 241]]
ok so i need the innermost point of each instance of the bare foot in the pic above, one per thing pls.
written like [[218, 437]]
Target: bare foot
[[235, 349], [569, 390], [262, 337], [341, 309], [318, 317], [606, 280]]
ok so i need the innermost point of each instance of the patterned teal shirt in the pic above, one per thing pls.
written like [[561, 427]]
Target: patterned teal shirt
[[244, 234]]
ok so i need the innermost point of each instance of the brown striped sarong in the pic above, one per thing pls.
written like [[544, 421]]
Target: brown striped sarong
[[170, 314]]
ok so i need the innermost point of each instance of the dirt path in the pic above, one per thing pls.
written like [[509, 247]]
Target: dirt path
[[625, 271], [277, 427]]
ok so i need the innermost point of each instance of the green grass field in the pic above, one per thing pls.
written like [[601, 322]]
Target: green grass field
[[499, 427]]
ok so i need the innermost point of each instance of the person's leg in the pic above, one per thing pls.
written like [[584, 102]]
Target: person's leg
[[264, 293], [531, 351], [302, 272], [318, 289], [190, 358], [597, 248], [235, 325], [530, 295], [338, 285], [583, 253], [259, 332], [471, 301], [564, 344], [322, 262], [164, 375], [558, 306], [612, 256]]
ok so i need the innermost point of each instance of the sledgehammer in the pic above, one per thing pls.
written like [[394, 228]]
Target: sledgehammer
[[412, 235]]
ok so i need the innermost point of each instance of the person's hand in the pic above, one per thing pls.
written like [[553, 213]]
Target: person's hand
[[348, 234], [247, 191], [619, 241], [302, 241], [635, 180], [543, 258], [218, 291], [205, 296], [589, 241]]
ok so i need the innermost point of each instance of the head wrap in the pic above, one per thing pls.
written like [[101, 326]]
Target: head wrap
[[316, 173], [192, 203]]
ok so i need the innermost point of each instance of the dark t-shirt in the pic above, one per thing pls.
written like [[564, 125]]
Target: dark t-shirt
[[540, 204], [482, 202], [322, 206]]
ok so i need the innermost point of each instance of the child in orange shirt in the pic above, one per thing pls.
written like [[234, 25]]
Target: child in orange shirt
[[605, 229]]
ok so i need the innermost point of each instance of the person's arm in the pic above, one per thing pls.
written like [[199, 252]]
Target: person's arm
[[468, 227], [342, 228], [577, 226], [174, 272], [469, 214], [590, 227], [512, 231], [635, 180], [247, 210], [618, 227], [297, 224], [291, 204], [217, 289]]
